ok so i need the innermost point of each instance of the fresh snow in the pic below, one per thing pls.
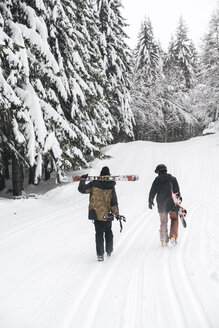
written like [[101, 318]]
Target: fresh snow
[[49, 274]]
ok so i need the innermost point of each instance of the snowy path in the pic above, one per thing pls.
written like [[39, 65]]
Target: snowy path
[[49, 276]]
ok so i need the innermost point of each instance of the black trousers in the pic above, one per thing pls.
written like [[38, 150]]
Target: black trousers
[[103, 229]]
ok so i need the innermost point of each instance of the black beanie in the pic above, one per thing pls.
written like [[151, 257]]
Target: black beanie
[[161, 169], [105, 171]]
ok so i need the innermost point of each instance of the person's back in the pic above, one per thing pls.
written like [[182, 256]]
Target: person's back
[[103, 202], [163, 186], [102, 198]]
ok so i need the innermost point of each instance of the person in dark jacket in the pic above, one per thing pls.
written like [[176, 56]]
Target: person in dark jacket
[[163, 186], [103, 203]]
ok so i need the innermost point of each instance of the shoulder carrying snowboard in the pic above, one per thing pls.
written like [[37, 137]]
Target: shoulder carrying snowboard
[[69, 178], [182, 211]]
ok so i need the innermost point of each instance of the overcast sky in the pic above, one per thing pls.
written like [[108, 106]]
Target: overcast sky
[[165, 14]]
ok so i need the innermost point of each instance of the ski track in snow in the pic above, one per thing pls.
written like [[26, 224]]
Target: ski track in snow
[[192, 310], [12, 236], [142, 285]]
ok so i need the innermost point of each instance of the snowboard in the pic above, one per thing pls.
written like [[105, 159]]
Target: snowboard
[[182, 214], [182, 211], [72, 178]]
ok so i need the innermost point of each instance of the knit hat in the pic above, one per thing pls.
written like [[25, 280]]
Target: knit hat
[[105, 171], [161, 168]]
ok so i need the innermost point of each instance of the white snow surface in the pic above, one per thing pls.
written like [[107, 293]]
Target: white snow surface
[[49, 274]]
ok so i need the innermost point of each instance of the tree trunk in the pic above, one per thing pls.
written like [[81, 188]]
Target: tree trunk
[[6, 165], [17, 177], [32, 171], [47, 169], [2, 179]]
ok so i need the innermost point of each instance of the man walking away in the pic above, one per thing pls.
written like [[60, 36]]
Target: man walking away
[[102, 205], [163, 186]]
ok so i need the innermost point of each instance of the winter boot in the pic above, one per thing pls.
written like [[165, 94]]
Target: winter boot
[[173, 241], [100, 258], [164, 243]]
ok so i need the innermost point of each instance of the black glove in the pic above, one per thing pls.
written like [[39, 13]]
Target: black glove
[[150, 205], [178, 195], [84, 176], [110, 216], [120, 217]]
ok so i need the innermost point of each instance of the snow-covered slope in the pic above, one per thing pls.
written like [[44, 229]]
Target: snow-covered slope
[[49, 275]]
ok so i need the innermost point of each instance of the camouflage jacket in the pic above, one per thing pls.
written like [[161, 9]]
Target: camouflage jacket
[[103, 199]]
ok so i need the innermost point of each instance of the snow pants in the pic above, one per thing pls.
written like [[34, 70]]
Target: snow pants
[[164, 225], [103, 229]]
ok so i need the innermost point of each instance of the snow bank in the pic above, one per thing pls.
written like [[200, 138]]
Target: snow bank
[[49, 275]]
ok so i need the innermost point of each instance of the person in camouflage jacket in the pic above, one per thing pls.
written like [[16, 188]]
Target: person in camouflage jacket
[[103, 203]]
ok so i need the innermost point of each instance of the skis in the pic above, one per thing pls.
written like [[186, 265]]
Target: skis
[[182, 211], [72, 178]]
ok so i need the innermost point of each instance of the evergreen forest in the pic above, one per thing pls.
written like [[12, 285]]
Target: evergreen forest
[[70, 85]]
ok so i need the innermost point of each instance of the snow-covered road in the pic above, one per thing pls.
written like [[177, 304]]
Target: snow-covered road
[[49, 275]]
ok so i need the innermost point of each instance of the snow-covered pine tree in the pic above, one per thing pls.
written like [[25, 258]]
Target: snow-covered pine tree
[[147, 54], [181, 57], [194, 61], [180, 66], [60, 88], [147, 86], [12, 72], [117, 66], [73, 37], [41, 82], [206, 93], [173, 74]]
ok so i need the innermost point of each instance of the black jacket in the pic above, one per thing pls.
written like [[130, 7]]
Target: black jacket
[[163, 186], [103, 199]]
